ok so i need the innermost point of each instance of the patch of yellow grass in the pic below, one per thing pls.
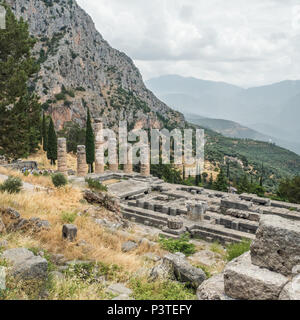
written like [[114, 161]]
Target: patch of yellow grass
[[103, 246], [41, 158], [44, 181]]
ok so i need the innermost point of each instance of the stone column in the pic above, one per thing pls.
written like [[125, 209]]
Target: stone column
[[99, 146], [62, 156], [113, 155], [196, 211], [81, 161], [145, 161], [128, 167]]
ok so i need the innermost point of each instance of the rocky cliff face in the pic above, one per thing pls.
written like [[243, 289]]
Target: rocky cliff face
[[79, 69]]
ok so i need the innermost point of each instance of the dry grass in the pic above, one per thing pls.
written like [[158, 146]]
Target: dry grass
[[103, 245], [44, 181], [41, 158]]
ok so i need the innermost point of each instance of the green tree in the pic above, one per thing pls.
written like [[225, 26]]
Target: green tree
[[19, 108], [210, 182], [90, 143], [52, 143], [221, 184], [289, 189], [44, 132], [243, 184]]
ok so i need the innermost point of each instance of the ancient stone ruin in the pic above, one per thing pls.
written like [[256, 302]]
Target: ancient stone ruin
[[270, 271], [62, 156]]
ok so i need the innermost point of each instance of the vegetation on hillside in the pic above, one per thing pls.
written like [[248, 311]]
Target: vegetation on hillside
[[289, 190], [19, 107]]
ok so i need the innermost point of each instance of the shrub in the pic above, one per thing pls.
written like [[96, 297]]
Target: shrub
[[59, 180], [160, 290], [11, 185], [178, 245], [235, 250], [205, 269], [96, 185], [68, 217]]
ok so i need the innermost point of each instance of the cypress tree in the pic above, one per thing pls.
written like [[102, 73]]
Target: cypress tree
[[52, 143], [19, 108], [211, 181], [262, 175], [90, 143], [221, 183], [44, 133]]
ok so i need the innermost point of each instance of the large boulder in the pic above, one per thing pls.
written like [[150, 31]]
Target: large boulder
[[184, 271], [276, 246], [292, 290], [212, 289], [25, 264], [245, 281]]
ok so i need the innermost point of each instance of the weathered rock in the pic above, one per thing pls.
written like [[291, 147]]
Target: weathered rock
[[233, 204], [245, 281], [9, 217], [296, 269], [2, 278], [25, 264], [212, 289], [151, 256], [69, 232], [175, 223], [292, 290], [276, 246], [184, 271], [119, 288], [129, 246], [104, 199], [163, 271]]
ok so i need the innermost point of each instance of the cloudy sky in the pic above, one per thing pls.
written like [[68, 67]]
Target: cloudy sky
[[244, 42]]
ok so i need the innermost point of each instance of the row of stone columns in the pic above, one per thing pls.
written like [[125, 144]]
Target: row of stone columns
[[82, 167]]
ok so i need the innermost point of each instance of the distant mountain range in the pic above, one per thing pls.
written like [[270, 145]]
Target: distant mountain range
[[271, 111]]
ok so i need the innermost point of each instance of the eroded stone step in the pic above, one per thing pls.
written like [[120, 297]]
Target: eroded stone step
[[145, 212], [148, 221], [211, 237], [220, 230]]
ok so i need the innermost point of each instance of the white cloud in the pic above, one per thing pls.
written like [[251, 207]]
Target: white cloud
[[239, 41]]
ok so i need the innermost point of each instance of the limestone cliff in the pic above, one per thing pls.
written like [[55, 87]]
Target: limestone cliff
[[79, 69]]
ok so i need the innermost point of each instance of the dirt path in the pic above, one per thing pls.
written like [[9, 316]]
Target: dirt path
[[26, 186]]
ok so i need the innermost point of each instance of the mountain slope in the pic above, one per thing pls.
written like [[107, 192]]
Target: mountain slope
[[275, 105], [80, 69]]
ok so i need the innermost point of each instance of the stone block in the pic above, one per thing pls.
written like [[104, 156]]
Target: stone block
[[212, 289], [69, 232], [245, 281], [175, 223], [25, 264], [184, 271], [292, 290], [276, 246], [233, 204]]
